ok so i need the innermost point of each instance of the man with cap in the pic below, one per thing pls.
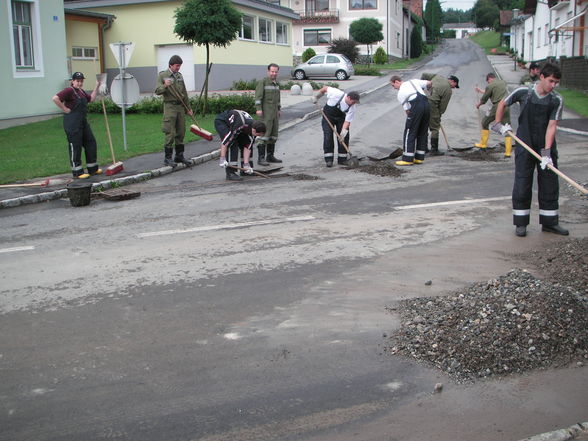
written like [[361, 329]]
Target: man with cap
[[340, 110], [268, 106], [73, 101], [170, 85], [438, 101], [532, 75], [414, 101], [495, 92]]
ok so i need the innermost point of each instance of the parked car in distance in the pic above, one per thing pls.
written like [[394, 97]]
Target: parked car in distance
[[324, 65]]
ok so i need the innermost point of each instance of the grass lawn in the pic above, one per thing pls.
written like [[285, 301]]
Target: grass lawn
[[489, 40], [40, 149], [575, 100]]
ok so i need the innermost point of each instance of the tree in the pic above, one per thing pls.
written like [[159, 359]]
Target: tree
[[366, 31], [416, 42], [432, 17], [206, 23], [486, 14], [346, 47]]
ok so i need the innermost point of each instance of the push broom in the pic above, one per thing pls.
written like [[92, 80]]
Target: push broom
[[115, 167], [194, 128]]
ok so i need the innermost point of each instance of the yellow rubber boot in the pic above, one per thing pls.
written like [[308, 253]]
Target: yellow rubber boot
[[507, 146], [485, 134]]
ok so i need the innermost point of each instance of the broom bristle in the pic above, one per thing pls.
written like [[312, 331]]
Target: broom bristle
[[114, 168], [203, 133]]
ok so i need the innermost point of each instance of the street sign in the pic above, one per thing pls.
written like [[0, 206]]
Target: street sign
[[124, 91], [122, 56]]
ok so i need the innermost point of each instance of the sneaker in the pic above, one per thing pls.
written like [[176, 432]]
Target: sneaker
[[403, 163], [248, 170], [84, 176], [521, 231], [223, 163], [555, 229]]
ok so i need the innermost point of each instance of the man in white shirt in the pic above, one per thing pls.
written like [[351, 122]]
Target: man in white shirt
[[340, 109], [412, 97]]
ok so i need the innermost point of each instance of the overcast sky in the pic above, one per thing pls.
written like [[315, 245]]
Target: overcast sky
[[464, 5]]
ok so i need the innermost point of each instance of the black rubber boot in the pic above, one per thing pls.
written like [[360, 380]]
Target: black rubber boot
[[435, 148], [232, 175], [270, 154], [179, 158], [261, 158], [168, 157]]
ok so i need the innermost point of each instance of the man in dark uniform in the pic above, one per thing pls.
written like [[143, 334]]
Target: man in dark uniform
[[267, 105], [541, 108], [340, 109], [73, 101], [170, 84], [495, 92], [438, 102], [532, 75], [237, 131], [416, 105]]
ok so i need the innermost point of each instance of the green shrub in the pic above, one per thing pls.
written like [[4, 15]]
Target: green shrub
[[308, 54], [346, 47], [380, 56], [362, 69], [244, 85]]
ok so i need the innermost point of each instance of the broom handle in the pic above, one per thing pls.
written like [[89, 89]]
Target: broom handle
[[549, 166], [177, 95], [108, 131], [477, 109]]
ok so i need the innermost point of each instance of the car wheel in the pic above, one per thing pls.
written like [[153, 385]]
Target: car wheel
[[341, 75], [299, 75]]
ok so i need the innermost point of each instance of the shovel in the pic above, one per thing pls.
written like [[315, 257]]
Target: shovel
[[255, 172], [395, 154], [353, 161]]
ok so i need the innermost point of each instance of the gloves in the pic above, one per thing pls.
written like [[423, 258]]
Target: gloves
[[223, 163], [317, 96], [545, 158], [498, 127], [248, 170], [344, 133]]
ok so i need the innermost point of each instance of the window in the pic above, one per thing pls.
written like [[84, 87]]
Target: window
[[247, 28], [317, 5], [317, 37], [538, 37], [22, 33], [281, 33], [546, 30], [363, 4], [397, 40], [265, 30], [83, 52]]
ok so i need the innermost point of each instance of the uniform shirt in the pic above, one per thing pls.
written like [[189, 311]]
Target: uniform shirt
[[70, 95], [522, 94], [267, 96], [440, 91], [333, 97], [178, 86], [495, 91], [408, 91]]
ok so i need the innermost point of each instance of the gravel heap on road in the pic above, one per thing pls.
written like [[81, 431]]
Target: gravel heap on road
[[383, 168], [511, 324]]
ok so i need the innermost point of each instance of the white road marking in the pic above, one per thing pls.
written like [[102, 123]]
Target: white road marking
[[227, 226], [14, 249], [463, 201]]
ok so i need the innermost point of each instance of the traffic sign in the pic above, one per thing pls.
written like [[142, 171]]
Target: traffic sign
[[124, 91], [122, 52]]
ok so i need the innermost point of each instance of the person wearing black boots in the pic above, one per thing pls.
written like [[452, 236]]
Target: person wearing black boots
[[541, 109], [237, 131], [170, 85], [267, 104]]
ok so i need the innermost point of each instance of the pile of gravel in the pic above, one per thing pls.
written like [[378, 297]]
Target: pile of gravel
[[382, 168], [511, 324]]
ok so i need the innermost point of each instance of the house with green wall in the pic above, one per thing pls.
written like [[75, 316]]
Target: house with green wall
[[265, 37], [33, 58]]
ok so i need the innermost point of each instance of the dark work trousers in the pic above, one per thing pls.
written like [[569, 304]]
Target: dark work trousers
[[337, 118], [221, 124], [533, 123], [80, 136], [416, 129]]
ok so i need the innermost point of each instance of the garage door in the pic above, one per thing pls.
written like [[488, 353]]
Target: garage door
[[185, 51]]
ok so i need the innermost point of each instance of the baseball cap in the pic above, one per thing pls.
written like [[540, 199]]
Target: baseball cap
[[354, 96], [78, 76], [454, 78], [534, 65]]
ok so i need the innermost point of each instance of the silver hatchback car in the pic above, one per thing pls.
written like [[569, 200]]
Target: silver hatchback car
[[324, 65]]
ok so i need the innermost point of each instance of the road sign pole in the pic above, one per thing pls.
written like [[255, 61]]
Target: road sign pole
[[124, 95]]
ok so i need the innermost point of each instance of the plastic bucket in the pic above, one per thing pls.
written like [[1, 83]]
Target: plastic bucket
[[79, 193]]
